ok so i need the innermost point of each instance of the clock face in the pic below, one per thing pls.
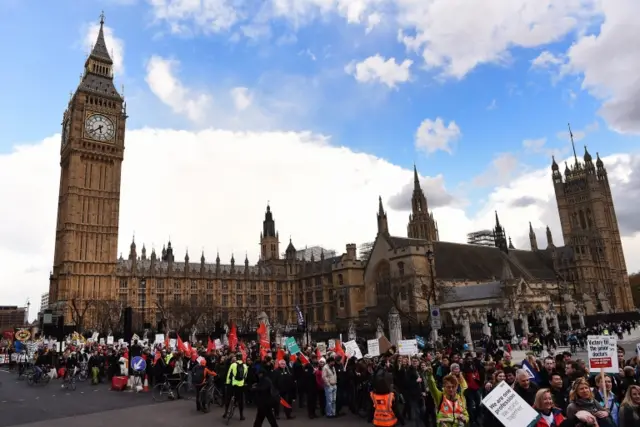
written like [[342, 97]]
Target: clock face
[[100, 127]]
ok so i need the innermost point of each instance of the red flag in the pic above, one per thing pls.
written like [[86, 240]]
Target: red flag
[[284, 403], [303, 359], [339, 350], [243, 351], [233, 338], [264, 340], [318, 354], [210, 345], [280, 354], [166, 341], [157, 357], [180, 345]]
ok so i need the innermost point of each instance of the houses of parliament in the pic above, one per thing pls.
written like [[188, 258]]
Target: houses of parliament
[[327, 290]]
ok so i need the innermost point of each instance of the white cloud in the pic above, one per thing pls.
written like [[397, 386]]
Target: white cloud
[[373, 20], [114, 44], [242, 98], [208, 16], [434, 135], [500, 170], [165, 85], [217, 168], [608, 62], [545, 60], [378, 69]]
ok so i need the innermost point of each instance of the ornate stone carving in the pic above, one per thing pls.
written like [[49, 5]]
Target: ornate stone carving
[[395, 327], [379, 328], [351, 333]]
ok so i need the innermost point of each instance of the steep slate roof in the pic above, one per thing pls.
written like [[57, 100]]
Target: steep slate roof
[[473, 292], [459, 261]]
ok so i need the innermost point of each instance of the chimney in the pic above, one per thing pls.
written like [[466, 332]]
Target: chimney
[[351, 251]]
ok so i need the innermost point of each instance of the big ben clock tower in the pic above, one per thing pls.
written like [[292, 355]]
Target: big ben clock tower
[[91, 153]]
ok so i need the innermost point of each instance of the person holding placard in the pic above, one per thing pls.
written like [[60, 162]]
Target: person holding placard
[[451, 408], [603, 388]]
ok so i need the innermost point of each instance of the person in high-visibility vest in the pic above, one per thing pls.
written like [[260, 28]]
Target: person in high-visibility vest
[[383, 413]]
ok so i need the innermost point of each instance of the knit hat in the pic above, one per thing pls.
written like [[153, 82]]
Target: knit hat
[[322, 360]]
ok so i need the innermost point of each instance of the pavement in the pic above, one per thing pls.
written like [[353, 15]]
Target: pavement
[[96, 406], [24, 404]]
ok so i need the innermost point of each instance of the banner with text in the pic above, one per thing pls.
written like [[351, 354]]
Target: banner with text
[[603, 353]]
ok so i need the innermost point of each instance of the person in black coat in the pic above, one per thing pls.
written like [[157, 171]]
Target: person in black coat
[[283, 381], [266, 398]]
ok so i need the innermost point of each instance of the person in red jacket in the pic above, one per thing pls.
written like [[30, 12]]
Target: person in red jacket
[[473, 393]]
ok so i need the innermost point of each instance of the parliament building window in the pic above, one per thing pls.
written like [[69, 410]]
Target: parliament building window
[[254, 286], [401, 268], [340, 280], [341, 301], [194, 285], [160, 284], [123, 283], [176, 285], [279, 300], [225, 300], [319, 296], [209, 300], [239, 300], [209, 285], [239, 285], [225, 285], [267, 300]]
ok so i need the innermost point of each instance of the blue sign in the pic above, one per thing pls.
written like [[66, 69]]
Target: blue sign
[[420, 342], [138, 364]]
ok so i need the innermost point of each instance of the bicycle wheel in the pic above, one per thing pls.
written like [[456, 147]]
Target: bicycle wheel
[[160, 392], [30, 379], [232, 409], [218, 399], [186, 391], [72, 384], [83, 375]]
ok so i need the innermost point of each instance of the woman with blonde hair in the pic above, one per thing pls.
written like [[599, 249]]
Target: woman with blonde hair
[[582, 399], [629, 414], [550, 416]]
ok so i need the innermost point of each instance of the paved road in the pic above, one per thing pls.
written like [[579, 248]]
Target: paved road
[[23, 404], [96, 406]]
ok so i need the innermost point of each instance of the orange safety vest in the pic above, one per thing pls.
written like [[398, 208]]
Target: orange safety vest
[[383, 415], [449, 410]]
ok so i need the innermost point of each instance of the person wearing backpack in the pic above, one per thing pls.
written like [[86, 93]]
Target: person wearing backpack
[[199, 376], [236, 376]]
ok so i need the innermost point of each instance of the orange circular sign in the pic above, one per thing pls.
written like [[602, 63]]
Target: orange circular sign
[[22, 335]]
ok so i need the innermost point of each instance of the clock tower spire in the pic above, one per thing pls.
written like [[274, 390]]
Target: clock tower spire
[[91, 154]]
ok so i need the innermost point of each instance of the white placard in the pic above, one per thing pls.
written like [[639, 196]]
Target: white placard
[[218, 343], [603, 353], [351, 349], [373, 348], [159, 339], [332, 344], [110, 340], [172, 343], [509, 408], [408, 347], [322, 348]]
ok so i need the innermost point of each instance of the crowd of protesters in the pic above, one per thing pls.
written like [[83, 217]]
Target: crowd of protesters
[[442, 388]]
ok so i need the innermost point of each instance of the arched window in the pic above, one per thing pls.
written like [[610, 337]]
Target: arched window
[[340, 280], [383, 279], [401, 268], [583, 220]]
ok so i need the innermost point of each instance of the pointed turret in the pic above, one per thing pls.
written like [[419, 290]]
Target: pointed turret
[[549, 239], [98, 69], [144, 252], [416, 178], [290, 253], [269, 244], [500, 236], [132, 249], [511, 244], [202, 257], [421, 222], [533, 240], [383, 226], [186, 257]]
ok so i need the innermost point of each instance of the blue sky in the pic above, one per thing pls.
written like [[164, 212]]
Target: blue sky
[[495, 105]]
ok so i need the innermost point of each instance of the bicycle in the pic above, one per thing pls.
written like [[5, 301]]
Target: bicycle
[[232, 409], [210, 394], [162, 389], [83, 371], [69, 382], [42, 379], [185, 389]]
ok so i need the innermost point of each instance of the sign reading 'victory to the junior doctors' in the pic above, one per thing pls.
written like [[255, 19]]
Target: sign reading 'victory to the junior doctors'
[[603, 353]]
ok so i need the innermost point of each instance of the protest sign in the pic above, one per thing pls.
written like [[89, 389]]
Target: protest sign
[[603, 353], [408, 347], [509, 408], [351, 349], [373, 348]]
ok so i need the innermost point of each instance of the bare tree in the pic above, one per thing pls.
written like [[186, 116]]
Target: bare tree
[[108, 316], [181, 316], [79, 310]]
